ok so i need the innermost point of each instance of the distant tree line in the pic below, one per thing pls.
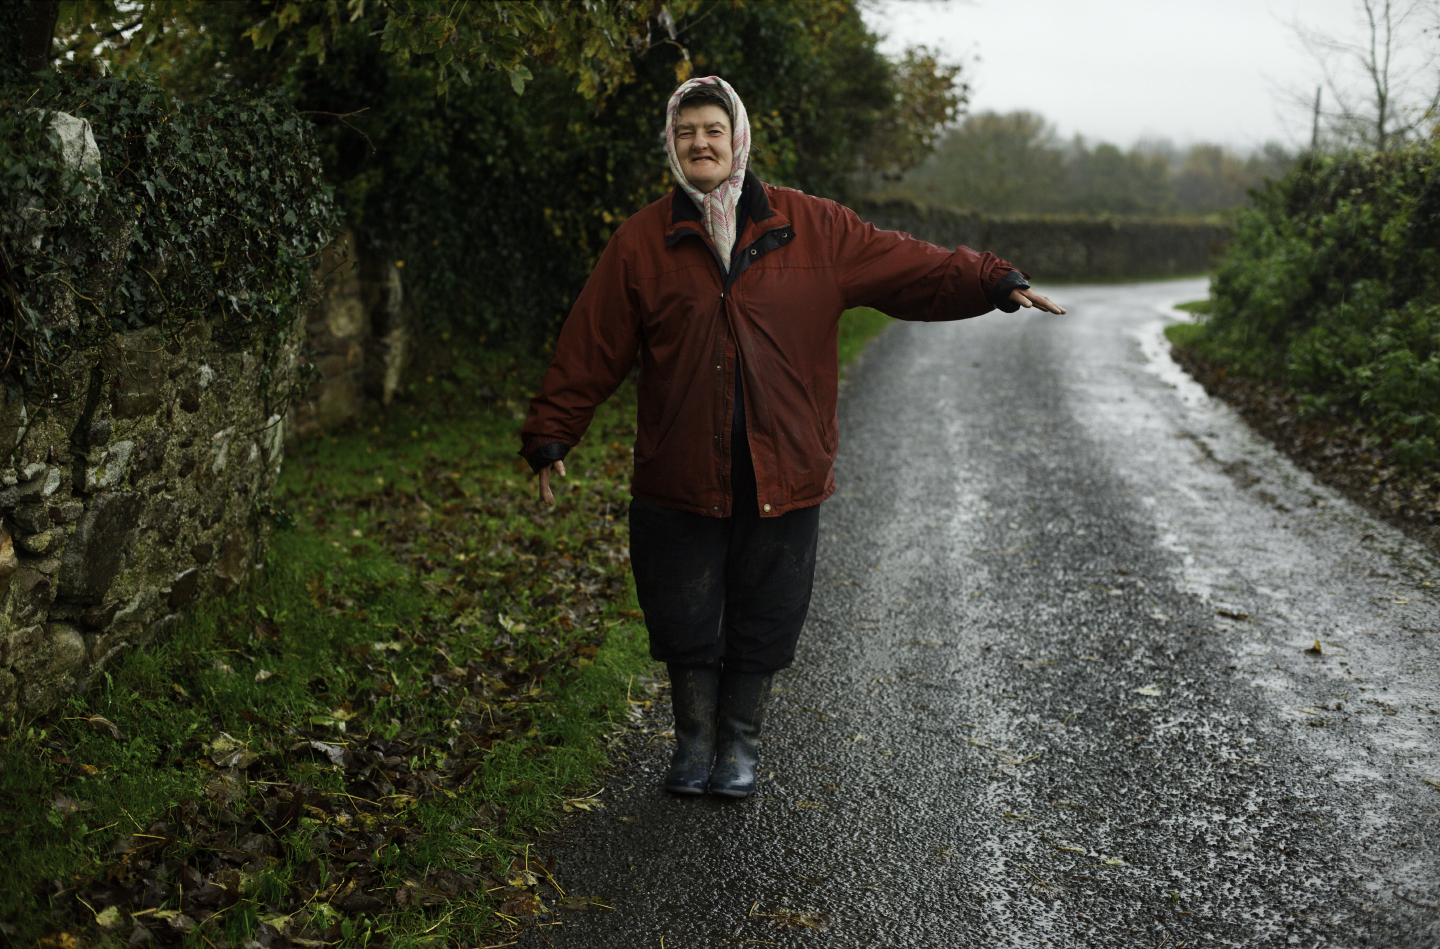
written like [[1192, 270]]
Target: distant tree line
[[1014, 163]]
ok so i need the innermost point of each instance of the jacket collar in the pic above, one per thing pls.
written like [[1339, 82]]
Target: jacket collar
[[685, 216]]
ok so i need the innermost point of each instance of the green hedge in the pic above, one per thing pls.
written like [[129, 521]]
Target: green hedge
[[499, 205], [212, 211], [1332, 288]]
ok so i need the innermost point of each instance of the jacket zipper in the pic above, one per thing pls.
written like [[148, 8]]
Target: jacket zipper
[[728, 278]]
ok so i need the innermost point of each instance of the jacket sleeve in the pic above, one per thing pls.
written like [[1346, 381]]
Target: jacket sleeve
[[596, 349], [909, 279]]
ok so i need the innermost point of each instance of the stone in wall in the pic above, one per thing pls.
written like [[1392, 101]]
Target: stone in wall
[[390, 344], [359, 339]]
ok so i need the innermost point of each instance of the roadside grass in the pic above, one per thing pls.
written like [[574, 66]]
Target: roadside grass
[[428, 664], [857, 328], [1187, 334], [429, 670]]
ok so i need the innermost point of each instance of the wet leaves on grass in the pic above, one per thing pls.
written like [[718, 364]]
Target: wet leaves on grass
[[354, 751]]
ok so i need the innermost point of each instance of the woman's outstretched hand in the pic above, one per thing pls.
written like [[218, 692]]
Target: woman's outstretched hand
[[546, 494], [1029, 298]]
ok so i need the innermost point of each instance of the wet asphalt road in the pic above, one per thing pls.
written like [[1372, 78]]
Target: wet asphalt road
[[1055, 687]]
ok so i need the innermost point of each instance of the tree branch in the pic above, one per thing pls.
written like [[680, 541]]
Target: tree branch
[[342, 117], [106, 34]]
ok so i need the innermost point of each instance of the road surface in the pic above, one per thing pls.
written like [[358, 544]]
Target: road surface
[[1059, 683]]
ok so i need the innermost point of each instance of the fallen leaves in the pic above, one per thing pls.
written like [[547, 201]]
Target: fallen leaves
[[786, 919], [335, 754], [102, 724], [109, 918], [583, 803], [64, 805], [226, 751]]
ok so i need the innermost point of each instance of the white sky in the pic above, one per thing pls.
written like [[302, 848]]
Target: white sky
[[1120, 70]]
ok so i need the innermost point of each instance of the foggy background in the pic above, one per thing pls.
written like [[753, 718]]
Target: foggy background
[[1142, 108]]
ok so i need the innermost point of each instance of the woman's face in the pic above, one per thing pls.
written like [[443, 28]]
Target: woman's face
[[702, 143]]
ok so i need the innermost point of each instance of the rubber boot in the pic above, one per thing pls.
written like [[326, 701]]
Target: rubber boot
[[743, 698], [693, 695]]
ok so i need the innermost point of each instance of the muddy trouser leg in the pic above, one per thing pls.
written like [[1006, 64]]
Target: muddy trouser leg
[[679, 564], [770, 570]]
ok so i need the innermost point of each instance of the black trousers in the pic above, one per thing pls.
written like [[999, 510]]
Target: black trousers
[[726, 592]]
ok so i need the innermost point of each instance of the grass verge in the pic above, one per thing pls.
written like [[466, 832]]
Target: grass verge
[[424, 673], [428, 671], [857, 328]]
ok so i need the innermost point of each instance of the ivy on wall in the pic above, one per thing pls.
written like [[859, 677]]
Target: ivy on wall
[[213, 210]]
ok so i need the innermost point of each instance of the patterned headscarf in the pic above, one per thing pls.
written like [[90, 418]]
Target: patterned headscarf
[[718, 208]]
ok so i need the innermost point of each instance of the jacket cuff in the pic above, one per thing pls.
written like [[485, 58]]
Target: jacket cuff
[[999, 295], [547, 455]]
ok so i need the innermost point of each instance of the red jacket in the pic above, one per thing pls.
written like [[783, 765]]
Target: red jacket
[[659, 292]]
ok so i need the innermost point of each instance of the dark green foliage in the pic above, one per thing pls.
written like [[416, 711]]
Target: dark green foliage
[[1331, 288], [499, 204], [206, 211]]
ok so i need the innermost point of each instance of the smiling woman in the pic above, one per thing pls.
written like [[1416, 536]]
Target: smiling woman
[[703, 139], [708, 139], [730, 293]]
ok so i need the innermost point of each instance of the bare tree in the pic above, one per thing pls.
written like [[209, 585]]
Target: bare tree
[[1383, 86]]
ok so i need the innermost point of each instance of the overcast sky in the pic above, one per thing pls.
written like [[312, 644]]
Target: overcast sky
[[1120, 70]]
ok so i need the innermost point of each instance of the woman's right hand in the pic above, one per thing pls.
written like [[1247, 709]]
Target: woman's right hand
[[546, 494]]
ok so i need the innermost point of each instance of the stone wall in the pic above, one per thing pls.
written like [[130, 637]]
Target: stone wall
[[1054, 248], [359, 339], [124, 508]]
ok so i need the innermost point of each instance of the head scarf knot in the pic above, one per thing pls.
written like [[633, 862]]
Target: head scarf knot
[[718, 208]]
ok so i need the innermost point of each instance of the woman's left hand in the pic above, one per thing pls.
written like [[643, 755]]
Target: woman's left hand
[[1029, 298]]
